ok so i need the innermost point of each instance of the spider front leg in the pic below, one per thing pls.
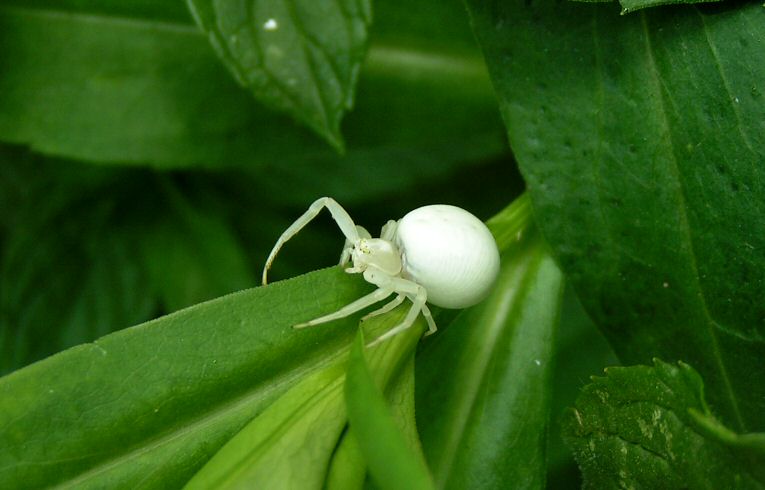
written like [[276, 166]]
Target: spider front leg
[[349, 309], [341, 217]]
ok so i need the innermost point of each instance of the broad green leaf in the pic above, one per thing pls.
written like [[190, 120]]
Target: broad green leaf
[[114, 84], [650, 427], [633, 5], [301, 57], [147, 406], [483, 384], [641, 139], [392, 462]]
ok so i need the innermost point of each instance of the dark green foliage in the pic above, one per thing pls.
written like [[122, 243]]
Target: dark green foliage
[[148, 164], [642, 138]]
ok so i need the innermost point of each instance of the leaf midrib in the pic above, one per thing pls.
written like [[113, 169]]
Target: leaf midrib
[[683, 208], [731, 98], [479, 369]]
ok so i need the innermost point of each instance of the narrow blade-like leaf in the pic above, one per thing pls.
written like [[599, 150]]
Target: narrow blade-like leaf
[[484, 383], [392, 462]]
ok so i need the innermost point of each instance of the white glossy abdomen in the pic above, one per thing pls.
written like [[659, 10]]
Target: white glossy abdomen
[[450, 253]]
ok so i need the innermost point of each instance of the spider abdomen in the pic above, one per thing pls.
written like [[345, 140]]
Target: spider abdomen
[[450, 253]]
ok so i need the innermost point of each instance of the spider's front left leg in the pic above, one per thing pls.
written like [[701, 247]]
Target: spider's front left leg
[[349, 309], [341, 217]]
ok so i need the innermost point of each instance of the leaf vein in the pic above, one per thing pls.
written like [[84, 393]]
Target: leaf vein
[[731, 98], [683, 214]]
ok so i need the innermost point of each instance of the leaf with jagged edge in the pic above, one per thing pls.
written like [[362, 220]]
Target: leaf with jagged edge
[[650, 427], [137, 83], [299, 56]]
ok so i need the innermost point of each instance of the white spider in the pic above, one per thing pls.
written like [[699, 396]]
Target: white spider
[[438, 254]]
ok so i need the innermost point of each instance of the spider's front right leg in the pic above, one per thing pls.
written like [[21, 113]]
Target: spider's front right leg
[[341, 217]]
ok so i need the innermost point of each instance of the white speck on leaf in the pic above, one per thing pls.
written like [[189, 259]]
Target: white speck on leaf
[[537, 362], [271, 25], [666, 285], [578, 418]]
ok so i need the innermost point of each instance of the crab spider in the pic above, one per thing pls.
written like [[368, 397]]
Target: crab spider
[[436, 254]]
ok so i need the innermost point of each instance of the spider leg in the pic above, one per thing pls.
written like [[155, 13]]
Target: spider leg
[[385, 309], [416, 294], [349, 309], [341, 217], [429, 318]]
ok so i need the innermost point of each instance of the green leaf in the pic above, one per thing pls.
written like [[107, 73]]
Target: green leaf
[[147, 406], [642, 139], [633, 5], [299, 57], [483, 395], [123, 83], [348, 469], [392, 462], [650, 427]]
